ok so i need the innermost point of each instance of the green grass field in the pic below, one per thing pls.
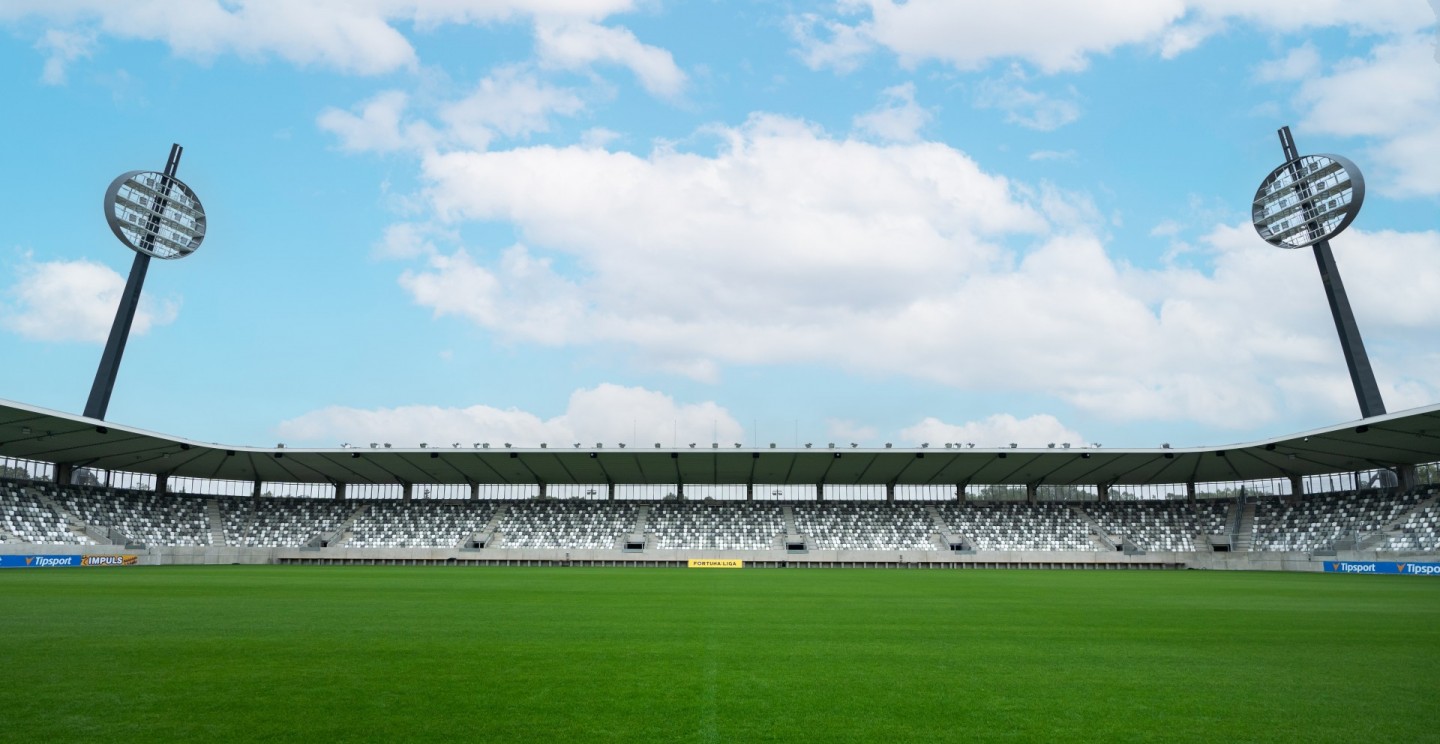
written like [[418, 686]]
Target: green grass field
[[660, 655]]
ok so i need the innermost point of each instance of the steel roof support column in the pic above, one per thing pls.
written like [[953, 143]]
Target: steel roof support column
[[1102, 492], [1189, 492], [162, 484], [1407, 475], [1032, 490], [1297, 486]]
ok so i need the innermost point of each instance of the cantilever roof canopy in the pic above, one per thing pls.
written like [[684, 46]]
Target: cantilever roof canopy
[[1405, 438]]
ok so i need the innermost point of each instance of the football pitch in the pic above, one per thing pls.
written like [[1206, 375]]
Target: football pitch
[[659, 655]]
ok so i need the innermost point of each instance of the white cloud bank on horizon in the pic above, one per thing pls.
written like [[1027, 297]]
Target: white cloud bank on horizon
[[998, 430], [606, 413], [611, 414]]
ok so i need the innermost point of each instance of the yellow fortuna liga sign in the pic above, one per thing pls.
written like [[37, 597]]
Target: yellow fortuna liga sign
[[716, 563]]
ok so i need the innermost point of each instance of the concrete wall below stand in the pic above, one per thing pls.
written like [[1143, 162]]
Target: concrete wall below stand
[[1254, 561]]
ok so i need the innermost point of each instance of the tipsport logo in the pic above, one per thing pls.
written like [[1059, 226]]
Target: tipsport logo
[[1383, 567], [51, 561]]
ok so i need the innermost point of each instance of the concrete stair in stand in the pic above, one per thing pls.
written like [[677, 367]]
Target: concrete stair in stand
[[1098, 535], [1242, 527], [487, 535], [215, 521]]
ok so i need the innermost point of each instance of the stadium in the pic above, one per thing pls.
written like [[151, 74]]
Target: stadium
[[1263, 505], [428, 222]]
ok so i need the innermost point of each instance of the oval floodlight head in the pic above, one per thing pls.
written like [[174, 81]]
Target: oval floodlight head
[[155, 214], [1307, 200]]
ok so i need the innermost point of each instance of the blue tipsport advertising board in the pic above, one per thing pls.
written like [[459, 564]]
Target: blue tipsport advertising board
[[65, 561], [1383, 567], [38, 561]]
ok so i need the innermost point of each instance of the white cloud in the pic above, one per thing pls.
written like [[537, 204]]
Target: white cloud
[[598, 137], [411, 240], [790, 246], [356, 37], [1026, 107], [1166, 229], [1435, 6], [509, 102], [1392, 97], [522, 297], [999, 430], [1298, 64], [608, 414], [1182, 37], [379, 126], [63, 47], [969, 36], [1061, 36], [898, 118], [724, 238], [74, 301], [1068, 156], [841, 47], [1375, 16], [578, 44]]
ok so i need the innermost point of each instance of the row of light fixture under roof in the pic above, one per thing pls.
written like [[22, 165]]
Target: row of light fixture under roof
[[713, 445]]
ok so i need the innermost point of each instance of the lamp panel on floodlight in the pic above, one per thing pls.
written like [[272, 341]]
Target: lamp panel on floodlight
[[155, 214], [1307, 200]]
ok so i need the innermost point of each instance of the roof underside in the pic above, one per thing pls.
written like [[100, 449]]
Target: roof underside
[[1406, 438]]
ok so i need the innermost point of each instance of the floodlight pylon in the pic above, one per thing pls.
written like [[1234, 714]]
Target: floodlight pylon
[[155, 215], [1307, 201]]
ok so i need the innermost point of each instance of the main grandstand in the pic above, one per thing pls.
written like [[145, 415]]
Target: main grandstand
[[1358, 491]]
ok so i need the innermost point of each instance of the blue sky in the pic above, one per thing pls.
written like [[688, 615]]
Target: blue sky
[[603, 220]]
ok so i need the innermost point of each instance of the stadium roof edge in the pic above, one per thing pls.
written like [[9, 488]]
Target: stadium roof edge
[[1404, 438]]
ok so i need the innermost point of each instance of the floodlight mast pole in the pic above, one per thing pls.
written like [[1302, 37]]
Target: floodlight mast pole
[[1367, 392], [109, 367]]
